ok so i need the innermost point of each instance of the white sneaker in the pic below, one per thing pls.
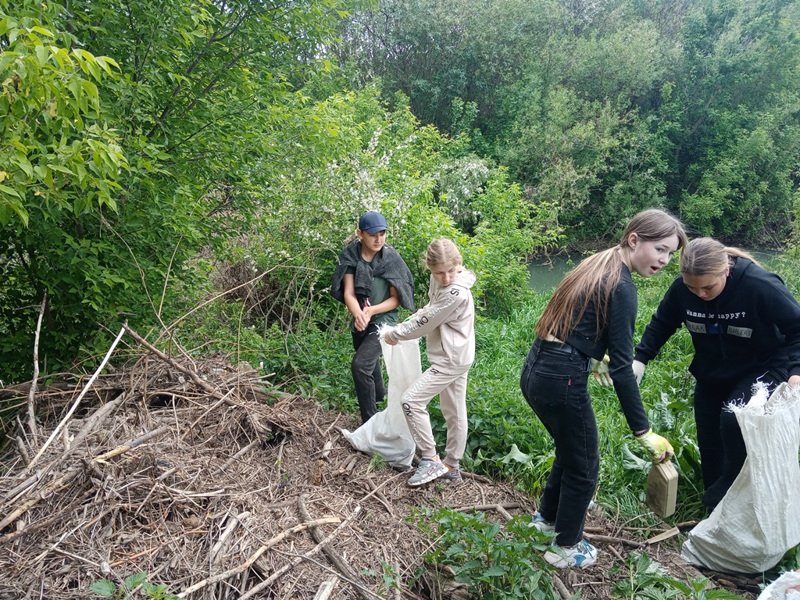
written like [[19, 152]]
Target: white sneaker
[[540, 523], [581, 555], [427, 471]]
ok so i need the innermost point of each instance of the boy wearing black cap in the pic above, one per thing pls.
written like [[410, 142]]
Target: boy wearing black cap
[[372, 280]]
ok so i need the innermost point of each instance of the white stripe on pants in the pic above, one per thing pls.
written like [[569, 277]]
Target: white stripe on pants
[[452, 390]]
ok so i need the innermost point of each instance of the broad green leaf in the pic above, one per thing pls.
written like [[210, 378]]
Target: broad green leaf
[[104, 588]]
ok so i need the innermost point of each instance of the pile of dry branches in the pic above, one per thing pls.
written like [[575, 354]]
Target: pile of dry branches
[[192, 472]]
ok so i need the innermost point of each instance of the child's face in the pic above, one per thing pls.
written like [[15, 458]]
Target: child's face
[[373, 241], [445, 274]]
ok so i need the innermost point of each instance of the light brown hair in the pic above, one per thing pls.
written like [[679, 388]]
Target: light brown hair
[[707, 256], [442, 251], [596, 277]]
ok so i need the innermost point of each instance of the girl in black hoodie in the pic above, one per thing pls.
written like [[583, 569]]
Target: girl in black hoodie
[[745, 327]]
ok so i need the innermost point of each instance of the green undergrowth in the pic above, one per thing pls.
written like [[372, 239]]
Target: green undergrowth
[[506, 441]]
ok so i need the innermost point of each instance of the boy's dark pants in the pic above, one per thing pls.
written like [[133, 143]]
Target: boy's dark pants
[[554, 384], [366, 367]]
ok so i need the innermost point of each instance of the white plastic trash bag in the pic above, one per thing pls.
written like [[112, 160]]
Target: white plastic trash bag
[[758, 519], [387, 432]]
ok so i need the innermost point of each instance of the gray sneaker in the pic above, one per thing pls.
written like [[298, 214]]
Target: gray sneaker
[[427, 471], [453, 475]]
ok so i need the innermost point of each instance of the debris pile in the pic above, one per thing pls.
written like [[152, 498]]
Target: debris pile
[[193, 472]]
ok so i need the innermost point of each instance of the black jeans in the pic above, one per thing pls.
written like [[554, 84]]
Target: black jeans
[[554, 384], [366, 367], [719, 439]]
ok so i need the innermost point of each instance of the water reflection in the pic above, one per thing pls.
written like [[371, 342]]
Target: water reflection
[[546, 274]]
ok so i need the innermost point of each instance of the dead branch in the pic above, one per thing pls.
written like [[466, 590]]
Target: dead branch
[[32, 393]]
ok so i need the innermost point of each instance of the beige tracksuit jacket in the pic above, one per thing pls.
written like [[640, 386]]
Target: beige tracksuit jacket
[[449, 322]]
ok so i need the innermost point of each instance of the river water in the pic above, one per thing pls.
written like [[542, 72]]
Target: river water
[[545, 276]]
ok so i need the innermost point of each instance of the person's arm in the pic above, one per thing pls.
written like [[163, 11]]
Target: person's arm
[[392, 302], [352, 304], [663, 324], [786, 313], [621, 322], [430, 316]]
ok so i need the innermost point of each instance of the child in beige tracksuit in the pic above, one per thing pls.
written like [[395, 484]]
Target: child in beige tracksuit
[[449, 322]]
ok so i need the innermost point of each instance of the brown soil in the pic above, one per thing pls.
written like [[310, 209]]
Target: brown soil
[[194, 473]]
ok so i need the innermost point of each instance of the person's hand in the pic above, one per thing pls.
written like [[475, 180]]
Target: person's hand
[[361, 321], [638, 371], [600, 371], [659, 448], [387, 337], [794, 380]]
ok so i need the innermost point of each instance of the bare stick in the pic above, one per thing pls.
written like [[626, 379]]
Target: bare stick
[[32, 391], [253, 557], [74, 406], [333, 556], [132, 444], [563, 591], [326, 588], [612, 540], [191, 374], [272, 578], [485, 507]]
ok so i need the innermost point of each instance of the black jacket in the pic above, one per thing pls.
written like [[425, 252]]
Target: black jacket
[[387, 264], [753, 324], [617, 338]]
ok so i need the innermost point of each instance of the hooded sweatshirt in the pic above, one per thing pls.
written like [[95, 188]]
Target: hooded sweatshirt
[[753, 324], [449, 322]]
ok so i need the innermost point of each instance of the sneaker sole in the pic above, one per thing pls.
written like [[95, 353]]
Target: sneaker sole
[[428, 478]]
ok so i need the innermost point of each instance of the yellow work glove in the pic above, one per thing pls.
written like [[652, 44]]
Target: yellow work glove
[[600, 371], [659, 448]]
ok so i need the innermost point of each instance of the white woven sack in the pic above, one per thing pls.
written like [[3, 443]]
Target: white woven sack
[[758, 520], [785, 587], [387, 432]]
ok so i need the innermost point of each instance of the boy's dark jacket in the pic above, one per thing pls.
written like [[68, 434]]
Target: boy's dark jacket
[[753, 324], [387, 264]]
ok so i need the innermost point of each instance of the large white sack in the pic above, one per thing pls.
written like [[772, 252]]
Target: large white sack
[[758, 520], [387, 432]]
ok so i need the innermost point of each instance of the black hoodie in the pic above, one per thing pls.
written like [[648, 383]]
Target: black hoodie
[[753, 324]]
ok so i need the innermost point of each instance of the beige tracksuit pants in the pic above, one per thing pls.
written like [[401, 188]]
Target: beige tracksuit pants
[[452, 390]]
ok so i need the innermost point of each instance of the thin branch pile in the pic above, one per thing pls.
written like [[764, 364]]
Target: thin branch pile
[[192, 472]]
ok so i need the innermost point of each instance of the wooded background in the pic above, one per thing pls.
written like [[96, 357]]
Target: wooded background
[[156, 153]]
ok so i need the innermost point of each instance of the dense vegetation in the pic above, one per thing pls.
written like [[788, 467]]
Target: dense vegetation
[[197, 165]]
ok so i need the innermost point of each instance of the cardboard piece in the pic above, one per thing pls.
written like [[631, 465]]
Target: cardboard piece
[[662, 488]]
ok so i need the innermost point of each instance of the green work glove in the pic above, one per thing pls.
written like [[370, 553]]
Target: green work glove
[[600, 371], [659, 448]]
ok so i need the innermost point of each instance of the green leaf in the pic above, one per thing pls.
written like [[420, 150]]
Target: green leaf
[[9, 190], [135, 580], [42, 54], [104, 588]]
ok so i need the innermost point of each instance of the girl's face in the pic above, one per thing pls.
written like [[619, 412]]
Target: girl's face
[[445, 274], [706, 287], [648, 258]]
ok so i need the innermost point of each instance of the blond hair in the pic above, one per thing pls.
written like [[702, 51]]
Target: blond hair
[[596, 278], [707, 256], [442, 251]]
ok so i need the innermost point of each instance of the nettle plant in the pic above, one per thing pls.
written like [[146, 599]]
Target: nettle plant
[[498, 562]]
